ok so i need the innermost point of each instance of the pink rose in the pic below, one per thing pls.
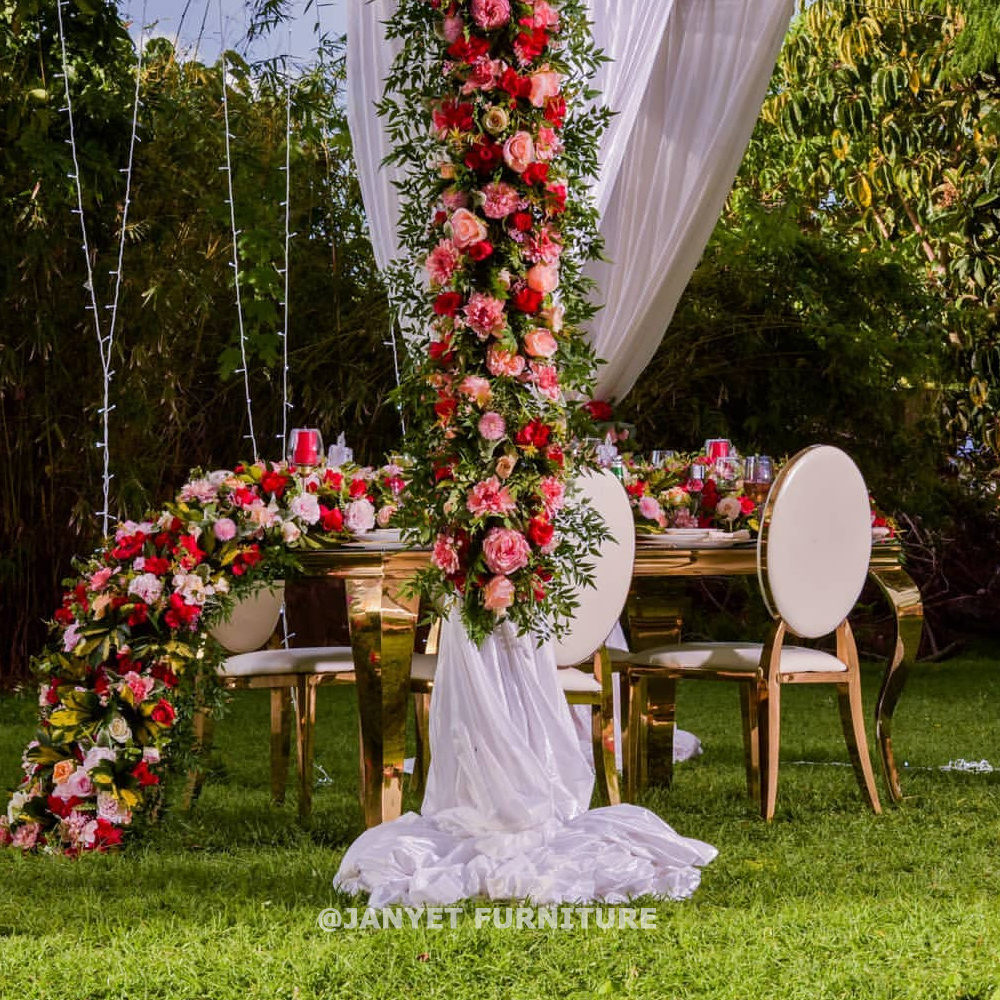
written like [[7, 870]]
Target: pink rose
[[544, 84], [99, 579], [491, 14], [544, 16], [492, 426], [484, 75], [649, 508], [476, 388], [441, 262], [545, 379], [543, 278], [554, 317], [498, 595], [500, 200], [489, 497], [445, 554], [539, 343], [547, 144], [505, 465], [519, 152], [502, 362], [467, 228], [485, 314], [543, 246], [505, 550]]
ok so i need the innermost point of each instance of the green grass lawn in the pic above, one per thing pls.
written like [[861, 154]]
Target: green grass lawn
[[827, 901]]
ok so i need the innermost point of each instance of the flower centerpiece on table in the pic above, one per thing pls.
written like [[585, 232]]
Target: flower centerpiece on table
[[130, 652], [497, 228]]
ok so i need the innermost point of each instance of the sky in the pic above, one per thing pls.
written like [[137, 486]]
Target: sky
[[197, 23]]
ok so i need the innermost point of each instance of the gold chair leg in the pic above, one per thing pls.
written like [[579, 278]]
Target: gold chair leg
[[281, 737], [751, 739], [768, 696], [603, 732], [204, 732], [852, 717], [659, 722], [305, 733], [422, 765]]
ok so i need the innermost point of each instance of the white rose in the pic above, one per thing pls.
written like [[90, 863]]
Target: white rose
[[360, 517], [729, 508], [191, 587], [306, 508], [119, 730], [290, 532], [96, 754], [146, 587], [17, 801]]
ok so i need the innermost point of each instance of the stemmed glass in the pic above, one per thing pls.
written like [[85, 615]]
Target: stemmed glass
[[758, 474]]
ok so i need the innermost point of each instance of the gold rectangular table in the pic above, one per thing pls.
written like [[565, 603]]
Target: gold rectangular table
[[383, 621]]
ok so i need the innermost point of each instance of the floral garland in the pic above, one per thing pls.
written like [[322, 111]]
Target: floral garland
[[497, 229], [130, 653]]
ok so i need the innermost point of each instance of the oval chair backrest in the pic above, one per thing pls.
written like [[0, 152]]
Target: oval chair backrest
[[599, 606], [815, 541], [253, 620]]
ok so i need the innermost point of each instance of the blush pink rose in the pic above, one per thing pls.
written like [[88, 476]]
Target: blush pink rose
[[467, 228], [544, 84], [503, 362], [539, 343], [476, 388], [544, 16], [543, 247], [492, 426], [451, 28], [545, 379], [99, 579], [490, 14], [543, 278], [454, 199], [649, 508], [505, 550], [498, 595], [554, 317], [489, 497], [441, 262], [547, 144], [519, 152]]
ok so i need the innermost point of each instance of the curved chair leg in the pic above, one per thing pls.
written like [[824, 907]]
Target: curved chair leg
[[751, 739], [305, 732], [281, 738], [768, 695], [852, 718]]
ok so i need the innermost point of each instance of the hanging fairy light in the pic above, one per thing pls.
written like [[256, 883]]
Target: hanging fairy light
[[105, 342], [235, 262]]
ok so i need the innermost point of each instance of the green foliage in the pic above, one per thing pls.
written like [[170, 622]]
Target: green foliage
[[178, 402]]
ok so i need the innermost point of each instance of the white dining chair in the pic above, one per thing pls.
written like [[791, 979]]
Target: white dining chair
[[813, 553], [583, 660], [281, 671]]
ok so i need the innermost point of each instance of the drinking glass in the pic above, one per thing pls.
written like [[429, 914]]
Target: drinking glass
[[660, 458], [758, 476], [305, 446], [716, 448]]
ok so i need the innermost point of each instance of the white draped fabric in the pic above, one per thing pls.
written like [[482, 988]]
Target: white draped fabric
[[506, 810], [686, 82]]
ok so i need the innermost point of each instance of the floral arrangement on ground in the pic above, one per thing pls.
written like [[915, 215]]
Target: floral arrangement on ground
[[131, 652], [497, 227]]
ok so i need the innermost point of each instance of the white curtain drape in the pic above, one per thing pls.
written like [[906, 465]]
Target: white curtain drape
[[686, 82], [506, 811]]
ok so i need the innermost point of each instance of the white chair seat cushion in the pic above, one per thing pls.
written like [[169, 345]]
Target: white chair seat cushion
[[736, 656], [307, 660], [575, 681], [424, 667]]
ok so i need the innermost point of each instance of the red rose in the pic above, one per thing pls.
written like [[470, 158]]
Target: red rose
[[540, 530], [440, 351], [556, 198], [157, 565], [358, 488], [636, 489], [536, 173], [163, 673], [144, 776], [448, 303], [139, 615], [481, 250], [555, 455], [527, 300], [531, 43], [468, 50], [533, 434], [599, 409], [747, 506], [163, 713], [515, 85], [331, 519], [484, 156], [181, 614], [442, 472]]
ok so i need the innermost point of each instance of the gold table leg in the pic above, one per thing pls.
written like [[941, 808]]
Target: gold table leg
[[904, 596], [383, 625]]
